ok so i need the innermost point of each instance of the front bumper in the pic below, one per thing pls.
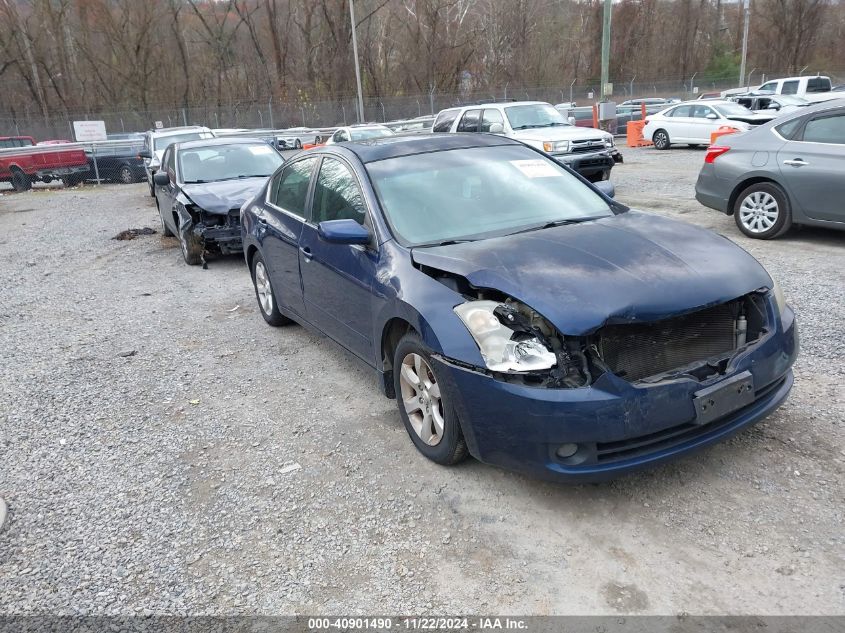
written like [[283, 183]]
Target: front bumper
[[587, 164], [220, 239], [620, 427]]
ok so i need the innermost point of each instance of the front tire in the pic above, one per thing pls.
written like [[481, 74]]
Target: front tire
[[264, 293], [429, 419], [762, 211], [192, 247], [661, 139]]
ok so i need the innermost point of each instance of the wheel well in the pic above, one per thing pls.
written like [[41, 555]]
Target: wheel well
[[250, 253], [393, 332], [743, 185]]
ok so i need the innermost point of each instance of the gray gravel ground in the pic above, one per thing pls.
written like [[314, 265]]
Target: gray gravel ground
[[151, 423]]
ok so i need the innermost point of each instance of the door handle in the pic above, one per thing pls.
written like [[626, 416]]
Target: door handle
[[796, 162], [306, 251]]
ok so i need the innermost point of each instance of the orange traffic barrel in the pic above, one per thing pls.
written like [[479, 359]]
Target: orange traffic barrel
[[635, 134], [722, 131]]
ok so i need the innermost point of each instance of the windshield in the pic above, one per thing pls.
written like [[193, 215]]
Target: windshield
[[163, 142], [732, 109], [474, 193], [227, 162], [376, 132], [524, 117]]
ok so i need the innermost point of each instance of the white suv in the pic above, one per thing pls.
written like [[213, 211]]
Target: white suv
[[586, 150], [156, 141]]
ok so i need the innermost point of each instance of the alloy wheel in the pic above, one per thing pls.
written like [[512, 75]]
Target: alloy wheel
[[421, 399], [758, 212], [263, 288], [126, 176]]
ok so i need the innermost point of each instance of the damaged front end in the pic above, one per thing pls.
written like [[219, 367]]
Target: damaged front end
[[520, 345], [213, 231]]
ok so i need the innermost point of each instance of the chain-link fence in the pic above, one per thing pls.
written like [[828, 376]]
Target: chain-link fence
[[341, 110]]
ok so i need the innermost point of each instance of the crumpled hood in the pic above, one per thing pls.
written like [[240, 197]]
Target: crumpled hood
[[754, 118], [221, 196], [567, 133], [626, 268]]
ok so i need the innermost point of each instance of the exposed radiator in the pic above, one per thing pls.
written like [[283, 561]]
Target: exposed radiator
[[639, 350]]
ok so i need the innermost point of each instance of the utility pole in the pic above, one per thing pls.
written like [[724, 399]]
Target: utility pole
[[357, 69], [605, 48], [747, 4]]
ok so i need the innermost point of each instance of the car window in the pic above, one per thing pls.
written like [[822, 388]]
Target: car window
[[169, 163], [787, 130], [684, 110], [701, 112], [227, 162], [828, 129], [290, 187], [772, 86], [469, 121], [337, 195], [490, 117], [818, 84], [444, 120], [789, 88]]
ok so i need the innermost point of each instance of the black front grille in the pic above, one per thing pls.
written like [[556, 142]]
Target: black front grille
[[635, 351], [582, 147], [234, 217]]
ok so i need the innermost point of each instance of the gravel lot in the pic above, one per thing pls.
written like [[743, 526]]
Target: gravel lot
[[163, 451]]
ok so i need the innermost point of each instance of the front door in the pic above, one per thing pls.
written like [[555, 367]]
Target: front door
[[280, 223], [166, 194], [814, 167], [337, 278]]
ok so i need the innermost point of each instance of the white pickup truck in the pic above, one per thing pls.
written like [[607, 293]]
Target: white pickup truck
[[590, 152], [814, 88]]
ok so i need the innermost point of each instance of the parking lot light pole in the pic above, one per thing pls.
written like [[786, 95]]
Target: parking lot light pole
[[747, 4], [357, 68], [605, 49]]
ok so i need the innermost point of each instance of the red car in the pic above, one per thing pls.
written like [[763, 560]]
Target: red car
[[22, 163]]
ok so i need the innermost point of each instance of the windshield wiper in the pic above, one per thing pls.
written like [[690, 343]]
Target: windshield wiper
[[196, 182], [549, 225], [444, 243], [243, 176], [525, 127]]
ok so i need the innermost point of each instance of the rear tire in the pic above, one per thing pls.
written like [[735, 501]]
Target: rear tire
[[20, 181], [297, 144], [264, 293], [762, 211], [661, 139], [429, 419], [125, 175]]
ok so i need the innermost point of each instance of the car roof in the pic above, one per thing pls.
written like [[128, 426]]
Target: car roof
[[179, 130], [371, 150], [225, 140]]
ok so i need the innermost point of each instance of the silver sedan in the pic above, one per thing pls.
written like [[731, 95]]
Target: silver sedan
[[789, 171]]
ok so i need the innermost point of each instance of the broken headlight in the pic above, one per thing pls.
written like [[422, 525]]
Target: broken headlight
[[504, 344]]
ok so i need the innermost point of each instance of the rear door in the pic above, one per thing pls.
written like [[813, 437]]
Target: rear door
[[469, 121], [813, 166], [280, 222], [337, 278], [679, 123]]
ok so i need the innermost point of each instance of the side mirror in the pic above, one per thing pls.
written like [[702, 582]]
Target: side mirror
[[712, 116], [145, 153], [606, 187], [496, 128], [343, 232], [161, 178], [773, 106]]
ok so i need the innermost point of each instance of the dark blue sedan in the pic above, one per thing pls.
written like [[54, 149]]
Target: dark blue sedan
[[516, 312]]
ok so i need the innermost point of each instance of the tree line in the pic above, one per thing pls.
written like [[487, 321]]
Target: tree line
[[72, 56]]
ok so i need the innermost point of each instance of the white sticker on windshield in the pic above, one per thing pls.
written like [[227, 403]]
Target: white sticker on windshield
[[261, 149], [536, 168]]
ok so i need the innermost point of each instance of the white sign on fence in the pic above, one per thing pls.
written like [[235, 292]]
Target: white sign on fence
[[90, 131]]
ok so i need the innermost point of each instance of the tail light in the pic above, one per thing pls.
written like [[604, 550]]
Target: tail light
[[713, 152]]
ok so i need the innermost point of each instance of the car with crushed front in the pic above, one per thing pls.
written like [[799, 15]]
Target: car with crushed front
[[515, 311], [201, 186]]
